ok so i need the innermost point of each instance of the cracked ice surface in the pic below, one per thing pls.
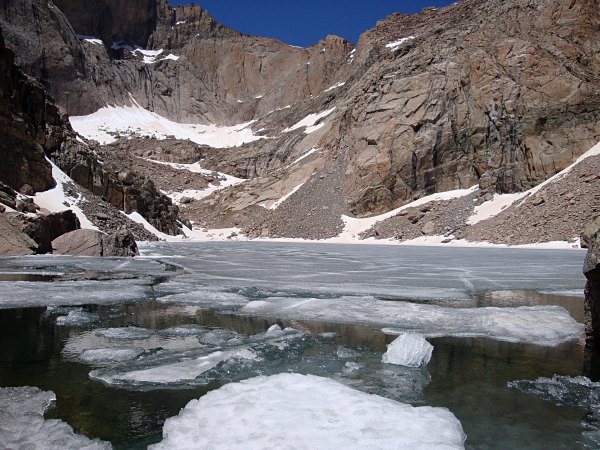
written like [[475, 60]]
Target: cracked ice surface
[[541, 325], [310, 412], [22, 424]]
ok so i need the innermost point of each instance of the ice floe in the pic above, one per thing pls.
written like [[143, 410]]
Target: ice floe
[[22, 294], [578, 391], [408, 349], [541, 325], [306, 411], [77, 318], [217, 353], [109, 354], [22, 424]]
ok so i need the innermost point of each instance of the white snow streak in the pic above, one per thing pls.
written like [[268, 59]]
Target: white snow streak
[[310, 122], [393, 46]]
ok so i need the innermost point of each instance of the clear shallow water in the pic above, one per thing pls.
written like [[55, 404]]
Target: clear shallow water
[[467, 375]]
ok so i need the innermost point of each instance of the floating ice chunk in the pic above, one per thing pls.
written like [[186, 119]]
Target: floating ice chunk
[[185, 330], [217, 337], [345, 352], [125, 333], [408, 349], [579, 391], [110, 354], [309, 412], [274, 328], [22, 424], [207, 298], [176, 372], [351, 368], [77, 318], [541, 325]]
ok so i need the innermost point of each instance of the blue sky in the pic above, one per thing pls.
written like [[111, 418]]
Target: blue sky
[[304, 22]]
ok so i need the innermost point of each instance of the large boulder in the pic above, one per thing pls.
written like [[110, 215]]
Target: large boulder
[[13, 241], [591, 269], [95, 243], [43, 229]]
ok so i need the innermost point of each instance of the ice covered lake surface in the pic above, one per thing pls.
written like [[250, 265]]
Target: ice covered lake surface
[[123, 355]]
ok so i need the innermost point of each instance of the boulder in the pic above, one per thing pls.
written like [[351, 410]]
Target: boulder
[[591, 270], [95, 243], [14, 242], [43, 229], [81, 242]]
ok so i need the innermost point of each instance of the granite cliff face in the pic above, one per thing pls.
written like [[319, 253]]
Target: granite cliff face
[[424, 103]]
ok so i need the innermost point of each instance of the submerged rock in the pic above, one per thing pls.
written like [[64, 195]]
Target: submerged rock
[[591, 269]]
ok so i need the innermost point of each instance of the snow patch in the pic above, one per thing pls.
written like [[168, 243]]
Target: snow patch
[[354, 226], [56, 199], [310, 122], [107, 122], [395, 45], [90, 39], [408, 349], [285, 197], [307, 154], [335, 86], [308, 412]]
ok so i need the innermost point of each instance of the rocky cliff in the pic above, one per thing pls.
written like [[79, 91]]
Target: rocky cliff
[[423, 103]]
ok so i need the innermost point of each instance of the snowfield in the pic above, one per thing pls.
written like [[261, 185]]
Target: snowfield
[[105, 124]]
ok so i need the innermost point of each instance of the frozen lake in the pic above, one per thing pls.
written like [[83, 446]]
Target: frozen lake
[[124, 344]]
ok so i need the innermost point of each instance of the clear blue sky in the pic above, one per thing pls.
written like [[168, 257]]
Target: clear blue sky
[[304, 22]]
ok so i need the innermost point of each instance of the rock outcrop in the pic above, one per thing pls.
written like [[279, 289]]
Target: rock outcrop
[[27, 121], [43, 229], [95, 243], [591, 269]]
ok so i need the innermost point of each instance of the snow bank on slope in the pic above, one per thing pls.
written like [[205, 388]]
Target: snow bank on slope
[[541, 325], [354, 226], [493, 207], [310, 122], [55, 199], [107, 122], [22, 424], [306, 412]]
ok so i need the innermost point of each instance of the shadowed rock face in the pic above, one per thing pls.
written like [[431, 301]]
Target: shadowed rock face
[[27, 122], [128, 21], [591, 269]]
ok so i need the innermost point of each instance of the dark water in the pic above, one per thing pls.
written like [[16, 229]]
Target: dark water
[[469, 376]]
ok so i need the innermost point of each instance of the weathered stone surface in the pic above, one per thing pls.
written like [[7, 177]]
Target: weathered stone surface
[[591, 269], [95, 243], [120, 243], [13, 241], [44, 229], [79, 243]]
